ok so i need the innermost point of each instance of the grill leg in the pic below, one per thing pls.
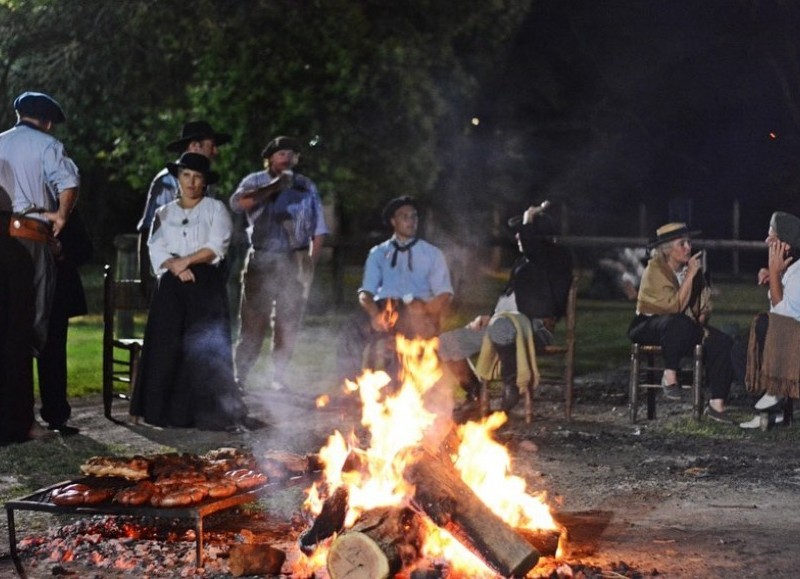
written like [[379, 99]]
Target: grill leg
[[12, 544], [198, 529]]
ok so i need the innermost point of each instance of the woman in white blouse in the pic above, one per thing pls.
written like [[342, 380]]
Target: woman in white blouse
[[186, 377]]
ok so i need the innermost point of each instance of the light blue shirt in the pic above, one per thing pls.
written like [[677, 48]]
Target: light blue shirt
[[427, 277], [288, 222], [34, 169]]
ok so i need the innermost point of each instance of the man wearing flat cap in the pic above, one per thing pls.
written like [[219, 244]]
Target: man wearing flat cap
[[196, 137], [286, 228], [38, 190], [405, 275]]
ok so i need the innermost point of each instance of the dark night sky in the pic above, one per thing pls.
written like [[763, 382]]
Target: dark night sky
[[622, 101]]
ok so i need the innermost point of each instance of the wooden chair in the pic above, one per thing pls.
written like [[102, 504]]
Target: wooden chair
[[644, 366], [565, 349], [122, 343]]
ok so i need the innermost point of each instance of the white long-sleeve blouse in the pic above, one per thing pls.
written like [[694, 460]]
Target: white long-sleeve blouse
[[178, 232]]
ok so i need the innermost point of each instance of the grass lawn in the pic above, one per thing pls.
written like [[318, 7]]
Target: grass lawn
[[602, 343]]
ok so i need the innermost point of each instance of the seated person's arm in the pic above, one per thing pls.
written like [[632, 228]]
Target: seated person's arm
[[378, 321], [479, 322]]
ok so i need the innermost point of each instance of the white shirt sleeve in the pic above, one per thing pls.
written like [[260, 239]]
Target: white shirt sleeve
[[790, 304]]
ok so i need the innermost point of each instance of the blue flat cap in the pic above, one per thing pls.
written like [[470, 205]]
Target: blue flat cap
[[39, 106]]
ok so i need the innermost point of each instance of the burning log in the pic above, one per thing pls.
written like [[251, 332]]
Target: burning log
[[329, 521], [251, 559], [452, 505], [544, 541], [381, 543]]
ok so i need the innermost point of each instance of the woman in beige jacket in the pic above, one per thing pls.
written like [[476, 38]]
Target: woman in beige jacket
[[672, 311]]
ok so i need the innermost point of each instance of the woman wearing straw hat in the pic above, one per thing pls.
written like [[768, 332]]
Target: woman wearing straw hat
[[672, 311]]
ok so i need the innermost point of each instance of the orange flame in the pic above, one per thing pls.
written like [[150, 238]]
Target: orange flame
[[399, 421], [390, 314]]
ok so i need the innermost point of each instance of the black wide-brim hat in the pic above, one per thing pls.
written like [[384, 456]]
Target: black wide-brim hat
[[671, 232], [194, 162], [40, 106], [197, 131]]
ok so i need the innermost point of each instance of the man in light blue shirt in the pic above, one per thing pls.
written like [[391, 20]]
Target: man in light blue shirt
[[38, 190], [406, 272]]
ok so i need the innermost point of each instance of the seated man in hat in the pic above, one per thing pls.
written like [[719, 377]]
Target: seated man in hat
[[405, 271], [196, 137], [538, 288]]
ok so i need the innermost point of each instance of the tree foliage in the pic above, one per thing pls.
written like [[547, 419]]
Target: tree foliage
[[380, 92]]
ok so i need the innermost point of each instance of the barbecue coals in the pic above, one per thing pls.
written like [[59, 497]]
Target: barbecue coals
[[150, 547]]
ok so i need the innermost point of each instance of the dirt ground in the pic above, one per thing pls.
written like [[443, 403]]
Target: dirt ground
[[665, 498]]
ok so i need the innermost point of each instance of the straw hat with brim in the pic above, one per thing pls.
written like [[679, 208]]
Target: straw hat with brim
[[197, 131], [38, 105], [671, 232], [194, 162]]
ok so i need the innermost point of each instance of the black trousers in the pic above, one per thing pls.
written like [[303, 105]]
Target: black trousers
[[678, 334], [51, 366], [17, 310]]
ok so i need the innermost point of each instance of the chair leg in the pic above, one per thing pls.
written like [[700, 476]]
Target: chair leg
[[529, 402], [633, 386], [697, 382], [484, 398], [788, 412]]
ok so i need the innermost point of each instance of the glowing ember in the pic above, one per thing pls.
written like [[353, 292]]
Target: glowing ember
[[401, 420]]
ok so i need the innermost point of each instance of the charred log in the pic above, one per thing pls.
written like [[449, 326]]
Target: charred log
[[253, 559], [450, 503], [544, 541], [381, 543], [329, 521]]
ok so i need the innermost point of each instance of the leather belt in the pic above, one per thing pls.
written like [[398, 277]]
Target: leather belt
[[27, 228]]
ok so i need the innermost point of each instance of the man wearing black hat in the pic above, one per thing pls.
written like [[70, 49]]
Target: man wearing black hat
[[38, 190], [196, 137], [405, 272], [286, 230], [538, 288]]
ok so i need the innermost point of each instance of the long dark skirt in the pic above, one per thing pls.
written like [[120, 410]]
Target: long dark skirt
[[186, 376]]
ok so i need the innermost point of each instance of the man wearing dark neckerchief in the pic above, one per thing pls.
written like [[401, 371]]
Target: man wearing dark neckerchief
[[407, 272]]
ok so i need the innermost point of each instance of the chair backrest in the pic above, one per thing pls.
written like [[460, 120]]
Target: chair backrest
[[121, 300], [569, 320]]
